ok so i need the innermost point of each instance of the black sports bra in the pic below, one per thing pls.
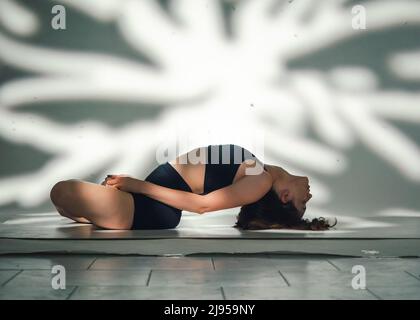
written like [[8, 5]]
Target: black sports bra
[[222, 164]]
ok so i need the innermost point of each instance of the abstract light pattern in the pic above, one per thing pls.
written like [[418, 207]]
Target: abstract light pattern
[[207, 79]]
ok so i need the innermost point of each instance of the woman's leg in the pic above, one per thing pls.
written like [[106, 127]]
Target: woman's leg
[[71, 216], [104, 206]]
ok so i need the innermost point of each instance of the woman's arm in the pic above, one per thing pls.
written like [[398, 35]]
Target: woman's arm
[[246, 190], [179, 199], [176, 198]]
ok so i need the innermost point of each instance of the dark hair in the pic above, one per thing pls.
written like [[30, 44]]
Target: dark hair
[[271, 213]]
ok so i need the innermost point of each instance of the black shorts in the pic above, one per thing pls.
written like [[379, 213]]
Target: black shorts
[[153, 214]]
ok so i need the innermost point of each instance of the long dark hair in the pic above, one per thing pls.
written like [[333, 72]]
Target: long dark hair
[[270, 213]]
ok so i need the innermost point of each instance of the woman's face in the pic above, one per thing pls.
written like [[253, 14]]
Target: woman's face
[[297, 190], [300, 190]]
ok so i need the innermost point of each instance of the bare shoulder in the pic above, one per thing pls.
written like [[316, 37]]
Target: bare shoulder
[[265, 179], [247, 189]]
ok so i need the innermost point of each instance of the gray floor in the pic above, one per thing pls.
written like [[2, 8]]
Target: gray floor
[[50, 225], [222, 276], [92, 272], [50, 233]]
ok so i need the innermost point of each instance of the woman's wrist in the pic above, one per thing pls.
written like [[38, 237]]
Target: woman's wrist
[[139, 186]]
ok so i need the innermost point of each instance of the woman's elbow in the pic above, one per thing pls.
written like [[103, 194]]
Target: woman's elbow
[[202, 210], [204, 205]]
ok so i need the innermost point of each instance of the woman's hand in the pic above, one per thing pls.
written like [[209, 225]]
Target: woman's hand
[[122, 182]]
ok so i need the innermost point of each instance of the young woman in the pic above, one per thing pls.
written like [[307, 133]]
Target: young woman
[[205, 179]]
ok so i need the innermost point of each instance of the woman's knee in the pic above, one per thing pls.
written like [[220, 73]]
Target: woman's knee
[[61, 211], [61, 190]]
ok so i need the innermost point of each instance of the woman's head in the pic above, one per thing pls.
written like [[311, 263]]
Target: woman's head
[[282, 207], [294, 189]]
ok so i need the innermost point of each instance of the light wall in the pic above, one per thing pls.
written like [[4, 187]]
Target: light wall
[[339, 104]]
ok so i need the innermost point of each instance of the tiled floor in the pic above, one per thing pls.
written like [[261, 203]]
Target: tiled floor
[[214, 277]]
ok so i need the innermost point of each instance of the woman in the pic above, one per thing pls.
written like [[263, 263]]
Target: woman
[[225, 176]]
